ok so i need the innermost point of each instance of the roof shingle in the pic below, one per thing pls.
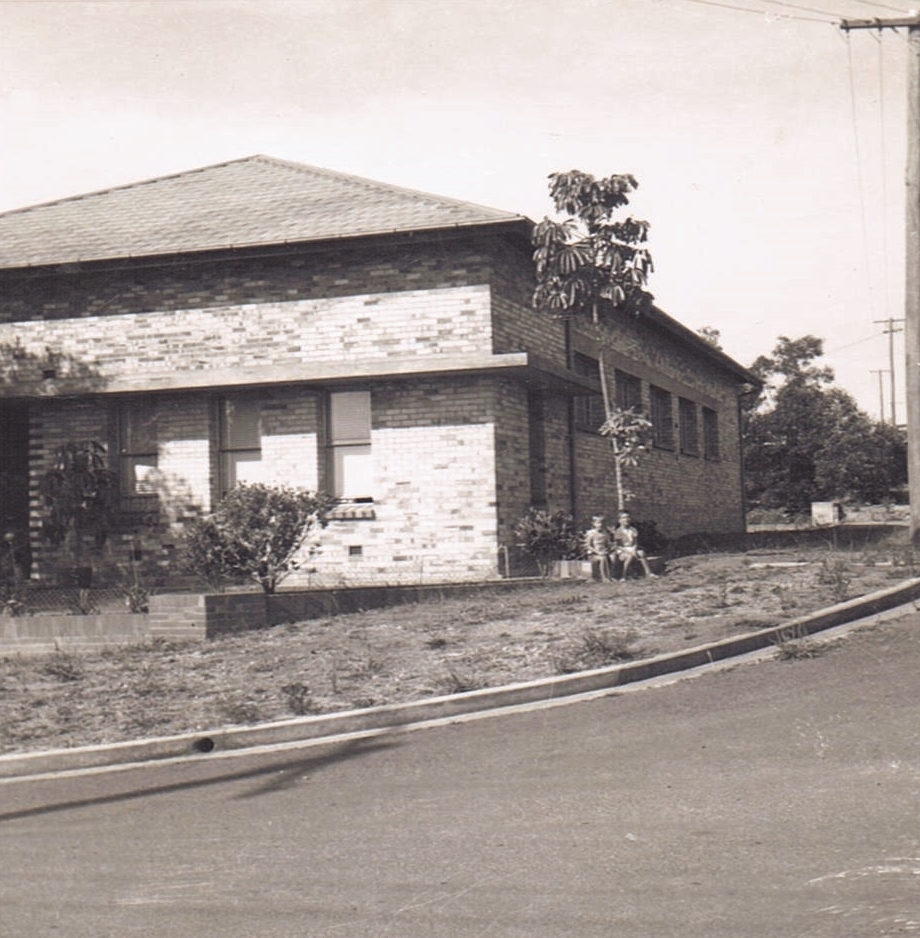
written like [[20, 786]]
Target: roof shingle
[[256, 201]]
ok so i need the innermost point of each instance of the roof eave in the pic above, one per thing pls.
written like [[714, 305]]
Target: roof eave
[[518, 225]]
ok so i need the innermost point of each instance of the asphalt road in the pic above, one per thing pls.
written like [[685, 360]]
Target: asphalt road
[[775, 799]]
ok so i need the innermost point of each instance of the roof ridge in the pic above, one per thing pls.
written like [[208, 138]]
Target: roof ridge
[[136, 184], [363, 181]]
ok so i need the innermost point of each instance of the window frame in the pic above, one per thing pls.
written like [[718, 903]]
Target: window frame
[[360, 445], [661, 407], [688, 426], [589, 410], [227, 450], [628, 391], [130, 456], [712, 449]]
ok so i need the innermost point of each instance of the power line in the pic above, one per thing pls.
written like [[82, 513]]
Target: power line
[[859, 170], [797, 6], [764, 13], [881, 6]]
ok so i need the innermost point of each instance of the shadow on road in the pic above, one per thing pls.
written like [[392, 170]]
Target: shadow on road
[[77, 791]]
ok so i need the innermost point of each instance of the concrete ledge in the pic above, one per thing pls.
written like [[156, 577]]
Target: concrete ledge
[[401, 715]]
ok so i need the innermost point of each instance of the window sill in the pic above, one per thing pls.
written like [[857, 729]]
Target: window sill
[[355, 511]]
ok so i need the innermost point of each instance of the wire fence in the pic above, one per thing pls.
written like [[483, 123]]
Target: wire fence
[[29, 600]]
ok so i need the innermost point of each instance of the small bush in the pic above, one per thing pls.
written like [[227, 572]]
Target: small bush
[[298, 698], [63, 666], [598, 649], [547, 537], [255, 533]]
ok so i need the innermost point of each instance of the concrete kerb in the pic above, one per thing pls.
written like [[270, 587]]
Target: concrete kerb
[[312, 728]]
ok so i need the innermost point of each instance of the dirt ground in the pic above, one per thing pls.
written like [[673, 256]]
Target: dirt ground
[[404, 653]]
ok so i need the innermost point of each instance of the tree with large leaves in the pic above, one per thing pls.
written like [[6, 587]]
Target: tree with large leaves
[[591, 261], [591, 256]]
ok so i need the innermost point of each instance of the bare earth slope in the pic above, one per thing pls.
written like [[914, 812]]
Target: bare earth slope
[[499, 636]]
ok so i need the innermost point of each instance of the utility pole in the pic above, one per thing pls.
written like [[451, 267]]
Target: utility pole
[[881, 396], [912, 279], [890, 332]]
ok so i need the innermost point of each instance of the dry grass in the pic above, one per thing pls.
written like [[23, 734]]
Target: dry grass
[[413, 651]]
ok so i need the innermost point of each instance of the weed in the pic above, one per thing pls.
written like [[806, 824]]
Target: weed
[[597, 649], [793, 644], [238, 711], [82, 604], [298, 698], [460, 683], [64, 666], [13, 601], [787, 602], [370, 666], [836, 574], [564, 602], [137, 598], [752, 625], [799, 649]]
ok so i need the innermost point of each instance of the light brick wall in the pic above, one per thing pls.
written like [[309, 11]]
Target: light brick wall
[[355, 329], [452, 456]]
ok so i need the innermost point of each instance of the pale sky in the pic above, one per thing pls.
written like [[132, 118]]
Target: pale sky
[[769, 146]]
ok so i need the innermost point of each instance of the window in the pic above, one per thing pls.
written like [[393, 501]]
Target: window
[[662, 418], [350, 466], [589, 408], [239, 442], [710, 434], [689, 430], [628, 391], [137, 446]]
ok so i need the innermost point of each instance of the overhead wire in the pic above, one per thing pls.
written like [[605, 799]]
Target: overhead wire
[[859, 172], [884, 160], [761, 12]]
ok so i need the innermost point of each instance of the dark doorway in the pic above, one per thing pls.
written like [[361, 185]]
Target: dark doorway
[[14, 483]]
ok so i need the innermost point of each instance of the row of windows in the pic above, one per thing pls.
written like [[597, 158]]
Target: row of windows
[[590, 415], [239, 444]]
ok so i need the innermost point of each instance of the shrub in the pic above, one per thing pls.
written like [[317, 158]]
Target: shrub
[[546, 537], [255, 533]]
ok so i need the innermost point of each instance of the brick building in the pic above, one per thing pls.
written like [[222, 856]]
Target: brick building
[[262, 320]]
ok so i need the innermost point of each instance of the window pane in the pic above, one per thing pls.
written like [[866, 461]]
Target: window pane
[[689, 435], [662, 419], [137, 445], [350, 416], [353, 472], [240, 425], [139, 475], [242, 467], [628, 391], [710, 433]]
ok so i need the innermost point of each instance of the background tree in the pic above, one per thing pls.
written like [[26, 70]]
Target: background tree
[[710, 335], [807, 440]]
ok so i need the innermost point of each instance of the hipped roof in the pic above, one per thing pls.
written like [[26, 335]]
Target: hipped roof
[[253, 202]]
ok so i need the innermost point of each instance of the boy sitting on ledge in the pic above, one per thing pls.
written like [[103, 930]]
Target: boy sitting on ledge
[[626, 546]]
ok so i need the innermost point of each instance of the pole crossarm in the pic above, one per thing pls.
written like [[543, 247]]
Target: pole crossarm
[[898, 22]]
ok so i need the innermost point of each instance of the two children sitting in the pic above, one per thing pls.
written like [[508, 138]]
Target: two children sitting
[[622, 546]]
